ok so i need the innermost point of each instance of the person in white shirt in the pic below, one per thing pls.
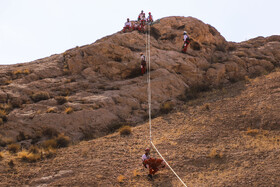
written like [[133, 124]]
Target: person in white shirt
[[146, 156], [186, 42], [127, 25], [141, 15], [143, 64]]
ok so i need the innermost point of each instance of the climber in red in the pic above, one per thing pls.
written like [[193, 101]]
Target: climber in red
[[186, 42], [154, 165], [127, 25], [150, 18], [143, 64]]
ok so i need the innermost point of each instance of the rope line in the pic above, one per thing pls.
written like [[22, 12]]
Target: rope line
[[148, 52]]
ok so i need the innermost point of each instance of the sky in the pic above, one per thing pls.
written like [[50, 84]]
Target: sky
[[34, 29]]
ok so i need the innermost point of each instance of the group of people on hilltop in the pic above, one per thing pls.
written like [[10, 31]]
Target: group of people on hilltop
[[139, 24]]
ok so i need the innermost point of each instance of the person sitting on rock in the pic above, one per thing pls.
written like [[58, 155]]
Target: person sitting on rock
[[143, 64], [127, 25], [150, 18], [135, 26], [146, 156], [186, 42], [154, 165]]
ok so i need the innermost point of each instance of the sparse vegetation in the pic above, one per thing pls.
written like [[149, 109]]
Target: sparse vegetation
[[1, 121], [125, 130], [11, 163], [38, 96], [50, 132], [69, 110], [215, 154], [252, 132], [3, 115], [50, 143], [121, 179], [33, 149], [13, 148], [1, 156], [61, 100], [52, 110], [166, 107], [5, 141], [21, 136], [29, 156], [62, 141]]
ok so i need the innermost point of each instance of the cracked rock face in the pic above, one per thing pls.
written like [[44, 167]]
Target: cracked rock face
[[103, 85]]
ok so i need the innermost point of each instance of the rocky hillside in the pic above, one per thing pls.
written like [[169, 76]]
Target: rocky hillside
[[92, 90], [225, 137]]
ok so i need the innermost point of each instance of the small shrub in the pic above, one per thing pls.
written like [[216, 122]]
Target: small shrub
[[39, 96], [252, 132], [21, 136], [125, 130], [33, 149], [52, 110], [3, 115], [136, 173], [13, 148], [26, 71], [17, 72], [50, 143], [11, 163], [215, 154], [1, 156], [50, 152], [61, 100], [205, 107], [121, 179], [62, 141], [69, 110], [166, 107], [29, 157], [50, 132]]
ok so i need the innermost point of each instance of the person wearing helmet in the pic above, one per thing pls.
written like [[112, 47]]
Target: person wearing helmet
[[150, 18], [141, 15], [146, 156], [127, 25], [186, 42], [143, 64]]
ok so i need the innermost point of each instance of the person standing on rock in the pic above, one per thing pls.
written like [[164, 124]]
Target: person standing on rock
[[150, 18], [127, 25], [186, 42], [143, 64]]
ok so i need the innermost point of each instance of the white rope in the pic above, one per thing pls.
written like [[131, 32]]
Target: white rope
[[149, 101]]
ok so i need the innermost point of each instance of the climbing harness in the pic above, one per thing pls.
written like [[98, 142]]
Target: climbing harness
[[148, 39]]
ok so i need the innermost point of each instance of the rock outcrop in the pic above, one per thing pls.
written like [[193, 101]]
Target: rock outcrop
[[103, 85]]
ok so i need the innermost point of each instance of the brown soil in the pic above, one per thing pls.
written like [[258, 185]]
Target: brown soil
[[227, 137]]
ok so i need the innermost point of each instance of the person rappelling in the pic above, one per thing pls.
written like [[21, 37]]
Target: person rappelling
[[146, 156], [154, 165], [186, 42], [127, 25], [143, 64]]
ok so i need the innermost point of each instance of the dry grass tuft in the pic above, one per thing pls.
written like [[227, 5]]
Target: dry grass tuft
[[1, 156], [125, 130], [166, 107], [5, 141], [136, 173], [62, 141], [50, 132], [33, 149], [252, 132], [50, 143], [3, 115], [49, 152], [11, 163], [61, 100], [69, 110], [121, 179], [52, 110], [13, 148], [1, 121], [28, 156], [215, 154], [39, 96]]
